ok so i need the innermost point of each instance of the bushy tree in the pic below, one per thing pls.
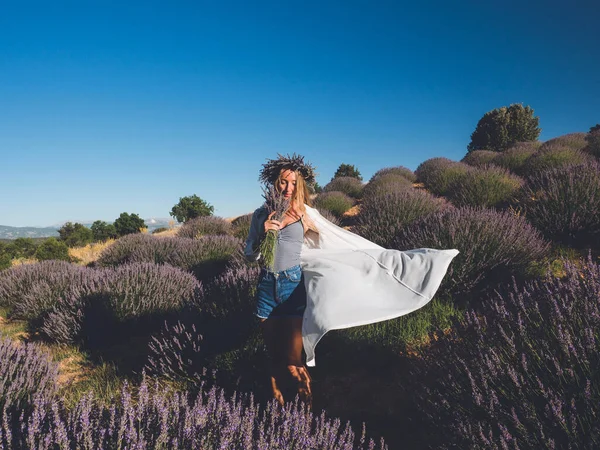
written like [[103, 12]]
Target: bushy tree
[[502, 127], [103, 230], [129, 224], [52, 248], [5, 260], [593, 140], [75, 234], [347, 170], [191, 207], [22, 248]]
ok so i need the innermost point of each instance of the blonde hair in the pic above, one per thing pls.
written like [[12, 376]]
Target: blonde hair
[[301, 194]]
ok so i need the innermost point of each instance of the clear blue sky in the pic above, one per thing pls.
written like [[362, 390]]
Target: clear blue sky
[[110, 106]]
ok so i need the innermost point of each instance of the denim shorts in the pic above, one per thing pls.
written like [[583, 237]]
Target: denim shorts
[[281, 294]]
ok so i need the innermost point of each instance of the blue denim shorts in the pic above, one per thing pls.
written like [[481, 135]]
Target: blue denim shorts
[[281, 294]]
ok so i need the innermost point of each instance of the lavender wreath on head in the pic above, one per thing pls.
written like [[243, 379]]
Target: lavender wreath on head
[[272, 168]]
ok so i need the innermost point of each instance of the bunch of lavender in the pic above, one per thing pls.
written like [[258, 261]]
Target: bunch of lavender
[[275, 203]]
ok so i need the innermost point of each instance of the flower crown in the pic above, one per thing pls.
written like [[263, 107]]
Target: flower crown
[[272, 168]]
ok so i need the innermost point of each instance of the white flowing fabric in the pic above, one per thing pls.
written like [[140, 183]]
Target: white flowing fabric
[[352, 281]]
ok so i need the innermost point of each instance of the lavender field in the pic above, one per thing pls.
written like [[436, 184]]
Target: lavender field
[[153, 344]]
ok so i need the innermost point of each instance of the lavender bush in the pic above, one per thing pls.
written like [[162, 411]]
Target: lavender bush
[[564, 203], [385, 183], [175, 354], [350, 186], [525, 373], [329, 216], [25, 372], [203, 226], [205, 257], [439, 173], [575, 141], [231, 294], [485, 186], [493, 246], [241, 226], [149, 417], [382, 217], [337, 203], [478, 158], [554, 157], [515, 158], [31, 290], [397, 170]]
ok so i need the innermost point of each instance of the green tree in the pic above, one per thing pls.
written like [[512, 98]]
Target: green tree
[[75, 234], [347, 170], [191, 207], [5, 261], [503, 127], [593, 140], [22, 248], [52, 248], [129, 224], [102, 231]]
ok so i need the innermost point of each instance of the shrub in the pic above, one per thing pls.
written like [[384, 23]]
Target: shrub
[[502, 127], [191, 207], [493, 245], [439, 173], [554, 157], [478, 158], [231, 294], [383, 216], [103, 231], [347, 170], [515, 158], [202, 226], [564, 203], [22, 248], [129, 224], [329, 216], [17, 282], [350, 186], [593, 141], [25, 372], [160, 418], [146, 288], [336, 203], [484, 186], [576, 141], [383, 184], [241, 226], [52, 248], [398, 170], [175, 354], [159, 230], [75, 234], [126, 293], [524, 374], [5, 262]]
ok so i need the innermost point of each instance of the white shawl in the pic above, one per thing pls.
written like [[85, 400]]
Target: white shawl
[[352, 281]]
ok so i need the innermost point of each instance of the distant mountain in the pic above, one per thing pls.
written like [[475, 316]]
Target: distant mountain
[[7, 232]]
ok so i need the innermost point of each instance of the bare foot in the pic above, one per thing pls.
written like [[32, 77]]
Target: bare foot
[[302, 377], [276, 392]]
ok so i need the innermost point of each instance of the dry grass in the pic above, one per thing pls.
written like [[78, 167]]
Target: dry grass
[[89, 253], [20, 261], [172, 232]]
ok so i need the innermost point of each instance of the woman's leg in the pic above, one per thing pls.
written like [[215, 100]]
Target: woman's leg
[[295, 366], [273, 342]]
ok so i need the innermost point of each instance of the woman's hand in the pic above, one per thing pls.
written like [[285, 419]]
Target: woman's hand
[[272, 224]]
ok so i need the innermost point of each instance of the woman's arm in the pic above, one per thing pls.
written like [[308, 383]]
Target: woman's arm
[[256, 235]]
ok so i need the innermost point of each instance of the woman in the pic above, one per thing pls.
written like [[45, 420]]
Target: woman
[[334, 279], [281, 295]]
